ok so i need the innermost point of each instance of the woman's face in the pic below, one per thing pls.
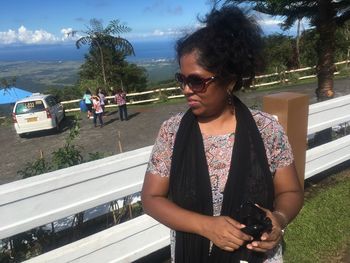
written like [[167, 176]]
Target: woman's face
[[213, 101]]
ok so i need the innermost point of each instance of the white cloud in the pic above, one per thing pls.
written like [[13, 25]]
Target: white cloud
[[8, 37], [176, 31], [168, 32], [272, 25], [157, 33], [270, 22], [34, 37], [24, 36], [67, 34]]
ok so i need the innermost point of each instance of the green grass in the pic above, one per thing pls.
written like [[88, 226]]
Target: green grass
[[276, 87], [320, 233], [6, 121]]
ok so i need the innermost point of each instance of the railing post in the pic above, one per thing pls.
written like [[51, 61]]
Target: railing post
[[292, 111]]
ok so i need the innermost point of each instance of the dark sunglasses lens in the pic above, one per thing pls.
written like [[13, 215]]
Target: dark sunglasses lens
[[180, 78], [195, 83]]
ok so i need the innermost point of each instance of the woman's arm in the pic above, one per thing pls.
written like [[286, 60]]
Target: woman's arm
[[289, 198], [222, 231], [289, 195]]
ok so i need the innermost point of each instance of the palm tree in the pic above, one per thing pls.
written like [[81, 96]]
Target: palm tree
[[325, 15], [7, 83], [98, 37]]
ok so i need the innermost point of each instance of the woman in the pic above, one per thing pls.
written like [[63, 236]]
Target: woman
[[208, 162], [98, 110], [101, 95], [88, 102], [120, 99]]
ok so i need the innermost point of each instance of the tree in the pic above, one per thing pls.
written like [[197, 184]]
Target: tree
[[279, 53], [325, 15], [308, 47], [133, 77], [102, 39], [8, 82], [119, 73], [343, 42], [67, 93]]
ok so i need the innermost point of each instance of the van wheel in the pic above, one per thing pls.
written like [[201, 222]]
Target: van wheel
[[58, 126]]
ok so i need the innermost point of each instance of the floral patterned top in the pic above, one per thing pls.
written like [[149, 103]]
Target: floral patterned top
[[218, 151]]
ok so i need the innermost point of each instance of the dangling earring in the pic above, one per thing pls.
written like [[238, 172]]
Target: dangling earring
[[230, 99], [230, 103], [230, 94]]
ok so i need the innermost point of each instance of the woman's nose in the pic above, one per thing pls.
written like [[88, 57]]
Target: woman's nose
[[186, 89]]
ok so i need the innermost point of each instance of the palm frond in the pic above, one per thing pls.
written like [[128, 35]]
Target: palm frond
[[72, 33], [96, 25], [341, 20], [123, 45], [341, 5], [83, 41], [115, 28]]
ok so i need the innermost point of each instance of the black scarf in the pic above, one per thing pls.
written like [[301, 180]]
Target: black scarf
[[249, 179]]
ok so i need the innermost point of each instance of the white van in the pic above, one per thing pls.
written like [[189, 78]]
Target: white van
[[37, 112]]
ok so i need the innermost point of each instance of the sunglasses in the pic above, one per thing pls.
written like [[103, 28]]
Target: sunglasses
[[194, 82]]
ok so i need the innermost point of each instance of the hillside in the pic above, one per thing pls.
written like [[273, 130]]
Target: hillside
[[38, 76]]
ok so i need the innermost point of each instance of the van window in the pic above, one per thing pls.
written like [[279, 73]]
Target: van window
[[29, 107], [51, 101]]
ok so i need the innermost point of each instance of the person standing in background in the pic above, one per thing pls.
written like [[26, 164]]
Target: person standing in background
[[98, 111], [88, 102], [101, 95], [120, 99]]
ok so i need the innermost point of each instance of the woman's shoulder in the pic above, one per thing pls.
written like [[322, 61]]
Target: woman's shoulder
[[171, 125], [276, 142], [168, 130], [266, 122]]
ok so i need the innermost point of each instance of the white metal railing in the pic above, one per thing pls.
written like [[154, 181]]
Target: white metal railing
[[39, 200], [323, 115], [130, 97]]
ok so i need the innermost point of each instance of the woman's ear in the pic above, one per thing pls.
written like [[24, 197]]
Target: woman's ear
[[230, 87]]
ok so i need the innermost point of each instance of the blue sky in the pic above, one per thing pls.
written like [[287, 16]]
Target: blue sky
[[28, 22]]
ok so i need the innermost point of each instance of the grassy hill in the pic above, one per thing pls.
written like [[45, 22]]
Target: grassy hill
[[37, 76]]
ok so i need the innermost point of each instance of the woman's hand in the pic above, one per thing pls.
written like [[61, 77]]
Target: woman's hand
[[225, 233], [268, 240]]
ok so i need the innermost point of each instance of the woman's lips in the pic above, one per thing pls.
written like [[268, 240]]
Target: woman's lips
[[193, 103]]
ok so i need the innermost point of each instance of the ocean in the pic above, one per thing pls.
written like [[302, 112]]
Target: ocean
[[145, 51]]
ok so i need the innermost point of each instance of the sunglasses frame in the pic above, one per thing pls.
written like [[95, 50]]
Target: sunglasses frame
[[184, 81]]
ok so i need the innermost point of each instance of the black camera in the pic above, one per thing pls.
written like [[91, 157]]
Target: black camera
[[255, 220]]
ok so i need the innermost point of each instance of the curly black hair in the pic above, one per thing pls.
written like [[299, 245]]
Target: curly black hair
[[229, 45]]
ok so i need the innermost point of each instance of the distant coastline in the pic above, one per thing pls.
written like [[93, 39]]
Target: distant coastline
[[40, 66], [39, 76], [145, 51]]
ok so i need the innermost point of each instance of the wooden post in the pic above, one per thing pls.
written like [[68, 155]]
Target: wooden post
[[120, 143], [292, 111]]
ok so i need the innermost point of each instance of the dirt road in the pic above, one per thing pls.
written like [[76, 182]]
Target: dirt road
[[139, 131]]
